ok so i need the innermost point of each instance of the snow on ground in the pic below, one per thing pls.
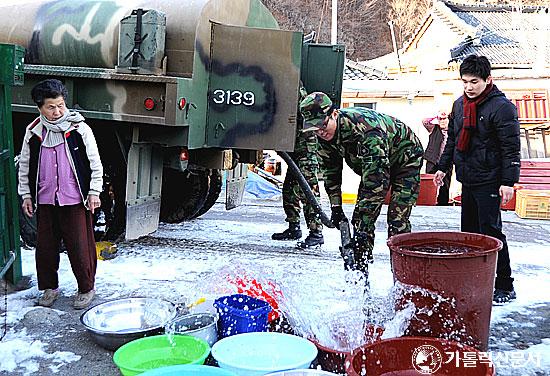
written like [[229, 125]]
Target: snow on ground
[[19, 351], [187, 261]]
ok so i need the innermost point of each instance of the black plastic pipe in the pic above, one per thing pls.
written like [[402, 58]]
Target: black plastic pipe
[[306, 188]]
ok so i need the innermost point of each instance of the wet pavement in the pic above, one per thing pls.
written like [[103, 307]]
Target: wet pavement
[[244, 234]]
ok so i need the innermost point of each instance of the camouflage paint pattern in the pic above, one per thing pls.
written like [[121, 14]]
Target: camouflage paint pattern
[[71, 32], [76, 35], [222, 63], [385, 153]]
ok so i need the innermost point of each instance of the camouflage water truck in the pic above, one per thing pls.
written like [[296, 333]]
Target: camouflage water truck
[[175, 92]]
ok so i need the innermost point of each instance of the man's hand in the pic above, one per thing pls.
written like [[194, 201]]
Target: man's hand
[[27, 207], [506, 193], [337, 216], [93, 202], [438, 178]]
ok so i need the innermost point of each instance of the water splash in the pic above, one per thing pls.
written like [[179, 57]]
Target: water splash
[[342, 314], [434, 315]]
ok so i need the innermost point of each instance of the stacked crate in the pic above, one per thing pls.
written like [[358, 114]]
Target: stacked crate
[[532, 196], [533, 204]]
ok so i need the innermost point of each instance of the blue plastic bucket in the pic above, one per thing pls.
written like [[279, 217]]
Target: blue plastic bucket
[[241, 314]]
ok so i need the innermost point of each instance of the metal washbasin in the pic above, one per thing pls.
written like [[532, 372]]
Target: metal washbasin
[[201, 325], [112, 324]]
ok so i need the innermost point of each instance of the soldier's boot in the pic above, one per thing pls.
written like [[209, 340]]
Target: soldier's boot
[[293, 232], [314, 239]]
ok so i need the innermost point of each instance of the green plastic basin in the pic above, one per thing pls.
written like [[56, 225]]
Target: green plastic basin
[[160, 351]]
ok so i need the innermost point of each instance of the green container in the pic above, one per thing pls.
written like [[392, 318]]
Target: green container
[[153, 352]]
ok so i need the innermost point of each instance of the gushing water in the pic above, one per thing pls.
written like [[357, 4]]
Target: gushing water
[[433, 314], [342, 315], [339, 313]]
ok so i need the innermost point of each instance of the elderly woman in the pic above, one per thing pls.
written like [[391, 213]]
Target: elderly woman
[[61, 171], [437, 127]]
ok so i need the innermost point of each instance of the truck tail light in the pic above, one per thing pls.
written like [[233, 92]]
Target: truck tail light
[[149, 104], [184, 155], [181, 103]]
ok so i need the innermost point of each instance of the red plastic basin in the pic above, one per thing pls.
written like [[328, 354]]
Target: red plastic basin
[[415, 356], [335, 360]]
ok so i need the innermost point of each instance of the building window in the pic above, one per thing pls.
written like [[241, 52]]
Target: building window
[[371, 105]]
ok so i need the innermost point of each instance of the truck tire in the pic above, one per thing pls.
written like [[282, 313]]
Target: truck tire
[[214, 189], [183, 194], [112, 207], [27, 227]]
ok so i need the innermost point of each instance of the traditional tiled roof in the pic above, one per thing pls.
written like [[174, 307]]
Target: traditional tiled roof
[[357, 71], [508, 36]]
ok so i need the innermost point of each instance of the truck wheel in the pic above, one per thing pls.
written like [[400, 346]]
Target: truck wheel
[[183, 194], [214, 189], [27, 227], [110, 221]]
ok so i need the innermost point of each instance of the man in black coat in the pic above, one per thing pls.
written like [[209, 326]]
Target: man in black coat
[[484, 145]]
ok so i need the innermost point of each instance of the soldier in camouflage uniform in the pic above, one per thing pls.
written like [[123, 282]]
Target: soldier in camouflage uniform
[[382, 150], [305, 157]]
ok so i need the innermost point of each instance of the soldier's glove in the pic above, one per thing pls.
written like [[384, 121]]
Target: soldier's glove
[[337, 216], [361, 250]]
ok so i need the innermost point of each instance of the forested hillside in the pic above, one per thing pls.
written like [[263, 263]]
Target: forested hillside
[[363, 24]]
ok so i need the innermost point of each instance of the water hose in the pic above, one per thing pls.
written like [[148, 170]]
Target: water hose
[[310, 197]]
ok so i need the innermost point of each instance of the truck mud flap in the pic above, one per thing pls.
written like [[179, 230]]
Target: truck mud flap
[[235, 185], [143, 187]]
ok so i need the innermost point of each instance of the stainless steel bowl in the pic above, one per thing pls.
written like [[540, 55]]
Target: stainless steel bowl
[[112, 324], [200, 325]]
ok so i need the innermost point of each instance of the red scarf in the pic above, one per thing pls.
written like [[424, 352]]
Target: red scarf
[[470, 117]]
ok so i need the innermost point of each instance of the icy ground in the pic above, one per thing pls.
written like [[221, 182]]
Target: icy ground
[[187, 261]]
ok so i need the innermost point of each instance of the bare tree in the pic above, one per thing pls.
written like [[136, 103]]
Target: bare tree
[[361, 23], [407, 16]]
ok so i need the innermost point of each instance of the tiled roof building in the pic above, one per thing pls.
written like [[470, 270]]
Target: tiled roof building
[[359, 71], [508, 36], [422, 76]]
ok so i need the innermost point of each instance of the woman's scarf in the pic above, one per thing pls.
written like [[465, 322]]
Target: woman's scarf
[[470, 117], [55, 130]]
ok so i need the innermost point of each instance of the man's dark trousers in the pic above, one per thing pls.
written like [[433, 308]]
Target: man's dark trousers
[[481, 215]]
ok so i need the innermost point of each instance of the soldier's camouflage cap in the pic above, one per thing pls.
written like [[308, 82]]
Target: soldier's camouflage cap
[[315, 108]]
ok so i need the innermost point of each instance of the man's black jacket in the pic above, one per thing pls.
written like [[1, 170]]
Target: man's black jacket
[[493, 156]]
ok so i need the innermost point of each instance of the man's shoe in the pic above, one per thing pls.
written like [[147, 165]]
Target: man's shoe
[[314, 239], [48, 297], [83, 300], [293, 232], [503, 296]]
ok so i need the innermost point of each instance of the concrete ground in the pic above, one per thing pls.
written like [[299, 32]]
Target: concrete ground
[[230, 236]]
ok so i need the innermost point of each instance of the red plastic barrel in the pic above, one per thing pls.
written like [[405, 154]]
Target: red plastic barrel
[[428, 191], [457, 272], [414, 356], [335, 360]]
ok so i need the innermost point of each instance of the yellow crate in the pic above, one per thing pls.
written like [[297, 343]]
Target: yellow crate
[[533, 204], [349, 198]]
